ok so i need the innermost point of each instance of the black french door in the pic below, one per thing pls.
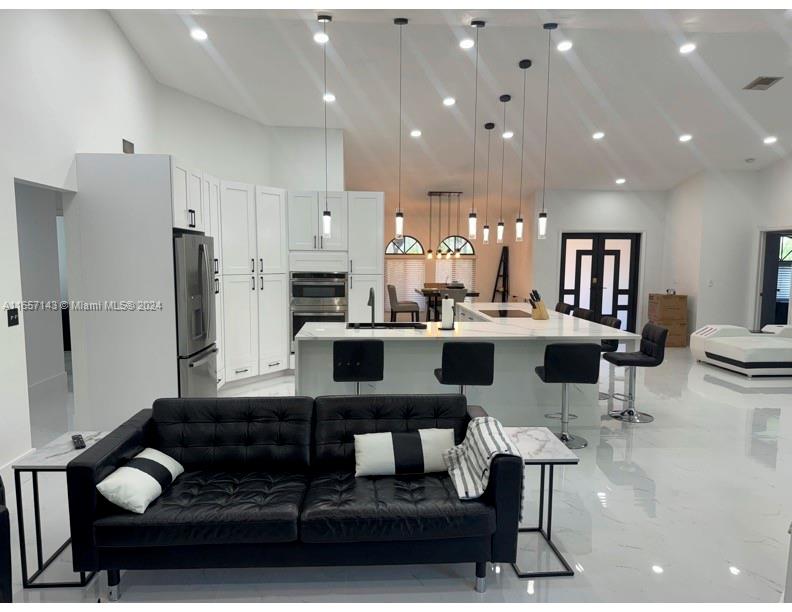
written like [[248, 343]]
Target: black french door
[[600, 272]]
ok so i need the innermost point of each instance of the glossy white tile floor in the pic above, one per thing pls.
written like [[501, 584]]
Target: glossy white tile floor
[[692, 507]]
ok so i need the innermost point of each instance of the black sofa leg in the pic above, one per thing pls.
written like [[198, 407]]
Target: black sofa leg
[[114, 584], [481, 576]]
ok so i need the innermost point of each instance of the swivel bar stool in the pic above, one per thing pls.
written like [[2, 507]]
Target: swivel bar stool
[[608, 346], [564, 308], [467, 363], [653, 340], [358, 361], [570, 363], [583, 313]]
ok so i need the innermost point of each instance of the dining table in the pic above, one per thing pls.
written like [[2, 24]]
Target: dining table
[[432, 295]]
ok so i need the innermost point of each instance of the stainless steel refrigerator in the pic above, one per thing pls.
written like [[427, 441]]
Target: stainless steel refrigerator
[[195, 315]]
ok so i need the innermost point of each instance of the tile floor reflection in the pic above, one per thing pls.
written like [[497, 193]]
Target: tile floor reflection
[[692, 507]]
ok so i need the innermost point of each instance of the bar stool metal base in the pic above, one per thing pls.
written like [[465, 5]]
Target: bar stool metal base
[[632, 416], [558, 415], [572, 442]]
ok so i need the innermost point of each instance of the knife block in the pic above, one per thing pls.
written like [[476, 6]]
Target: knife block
[[540, 312]]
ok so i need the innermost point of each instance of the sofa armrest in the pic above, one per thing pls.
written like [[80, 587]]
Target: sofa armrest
[[504, 493], [5, 550], [476, 411], [85, 471]]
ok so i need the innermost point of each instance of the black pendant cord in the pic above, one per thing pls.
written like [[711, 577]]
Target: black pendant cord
[[457, 216], [400, 113], [324, 99], [486, 209], [475, 120], [522, 143], [430, 223], [547, 119], [503, 163]]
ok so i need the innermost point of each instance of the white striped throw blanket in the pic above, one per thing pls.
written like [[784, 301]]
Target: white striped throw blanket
[[469, 463]]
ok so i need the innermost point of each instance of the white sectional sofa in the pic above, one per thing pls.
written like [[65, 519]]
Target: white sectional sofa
[[734, 348]]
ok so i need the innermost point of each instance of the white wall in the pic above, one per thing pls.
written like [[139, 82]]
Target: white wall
[[38, 253], [601, 211]]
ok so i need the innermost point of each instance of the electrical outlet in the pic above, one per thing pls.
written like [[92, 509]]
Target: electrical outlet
[[13, 317]]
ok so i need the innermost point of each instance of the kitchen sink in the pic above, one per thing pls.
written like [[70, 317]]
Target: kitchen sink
[[386, 325]]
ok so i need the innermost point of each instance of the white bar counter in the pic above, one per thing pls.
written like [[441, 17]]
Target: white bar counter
[[517, 396]]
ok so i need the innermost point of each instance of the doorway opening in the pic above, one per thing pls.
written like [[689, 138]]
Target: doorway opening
[[42, 263], [599, 272], [776, 277]]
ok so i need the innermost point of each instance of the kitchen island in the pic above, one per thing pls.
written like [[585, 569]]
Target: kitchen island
[[517, 396]]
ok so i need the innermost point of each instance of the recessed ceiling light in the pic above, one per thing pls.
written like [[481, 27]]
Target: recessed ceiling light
[[685, 138], [321, 38], [598, 135], [508, 134], [328, 97], [415, 133], [687, 48], [620, 181], [657, 569], [199, 34], [734, 570], [467, 43], [564, 45], [770, 140], [449, 101]]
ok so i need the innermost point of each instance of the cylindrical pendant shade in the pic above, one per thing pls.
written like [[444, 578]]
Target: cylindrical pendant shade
[[518, 229], [499, 232], [472, 226], [327, 224], [399, 225], [542, 226], [485, 234]]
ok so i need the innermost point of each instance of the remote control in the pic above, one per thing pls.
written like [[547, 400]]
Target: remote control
[[78, 441]]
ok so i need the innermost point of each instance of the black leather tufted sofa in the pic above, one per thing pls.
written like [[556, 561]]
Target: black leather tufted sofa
[[5, 550], [270, 482]]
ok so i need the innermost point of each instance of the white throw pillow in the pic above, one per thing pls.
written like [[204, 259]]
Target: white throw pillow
[[138, 483], [390, 453]]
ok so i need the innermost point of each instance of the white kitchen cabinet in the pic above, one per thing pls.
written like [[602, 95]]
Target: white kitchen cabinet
[[238, 228], [187, 197], [359, 287], [240, 329], [220, 318], [273, 316], [305, 221], [366, 232], [271, 241]]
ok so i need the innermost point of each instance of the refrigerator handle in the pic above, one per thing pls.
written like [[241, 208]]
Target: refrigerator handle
[[208, 279], [203, 360]]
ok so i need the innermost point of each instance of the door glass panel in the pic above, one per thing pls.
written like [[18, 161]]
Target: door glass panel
[[608, 271], [573, 245], [623, 245], [622, 316], [624, 299], [585, 281]]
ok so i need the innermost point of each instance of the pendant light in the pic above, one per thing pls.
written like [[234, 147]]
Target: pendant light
[[499, 230], [472, 220], [485, 235], [327, 219], [541, 222], [401, 22], [429, 253], [519, 224], [457, 252]]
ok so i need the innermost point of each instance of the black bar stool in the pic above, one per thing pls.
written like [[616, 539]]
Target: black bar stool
[[608, 346], [583, 313], [358, 361], [467, 363], [570, 363], [653, 341], [564, 308]]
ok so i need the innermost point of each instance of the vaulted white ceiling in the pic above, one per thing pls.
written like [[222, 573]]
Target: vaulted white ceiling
[[624, 76]]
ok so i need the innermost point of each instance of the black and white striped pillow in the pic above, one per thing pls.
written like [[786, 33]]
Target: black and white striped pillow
[[414, 452], [142, 480]]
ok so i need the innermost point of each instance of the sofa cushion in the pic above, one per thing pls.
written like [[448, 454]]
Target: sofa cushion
[[339, 418], [211, 507], [341, 508], [244, 433]]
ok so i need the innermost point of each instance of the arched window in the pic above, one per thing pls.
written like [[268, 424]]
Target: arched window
[[456, 243], [408, 245]]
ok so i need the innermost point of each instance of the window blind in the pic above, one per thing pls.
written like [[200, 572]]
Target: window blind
[[406, 274], [462, 270]]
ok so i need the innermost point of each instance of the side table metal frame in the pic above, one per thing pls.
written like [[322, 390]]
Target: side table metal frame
[[546, 533], [30, 582]]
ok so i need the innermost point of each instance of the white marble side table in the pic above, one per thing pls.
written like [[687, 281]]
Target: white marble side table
[[52, 457], [539, 446]]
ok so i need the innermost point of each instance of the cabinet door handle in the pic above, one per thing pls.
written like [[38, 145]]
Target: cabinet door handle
[[261, 264], [274, 363], [252, 265], [191, 215], [252, 283], [261, 283], [351, 281], [350, 266], [216, 266], [217, 286], [314, 242], [240, 371], [321, 242]]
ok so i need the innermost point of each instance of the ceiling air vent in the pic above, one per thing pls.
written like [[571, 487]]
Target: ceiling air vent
[[762, 83]]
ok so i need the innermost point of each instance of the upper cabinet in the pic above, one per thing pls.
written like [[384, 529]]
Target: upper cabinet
[[188, 197], [211, 198], [238, 228], [272, 248], [305, 221], [366, 232]]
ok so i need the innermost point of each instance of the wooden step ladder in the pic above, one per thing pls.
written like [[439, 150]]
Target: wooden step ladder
[[502, 277]]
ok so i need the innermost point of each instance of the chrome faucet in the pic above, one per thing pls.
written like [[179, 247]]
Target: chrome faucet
[[371, 304]]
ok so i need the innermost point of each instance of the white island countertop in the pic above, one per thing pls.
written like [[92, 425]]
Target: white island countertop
[[557, 327]]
